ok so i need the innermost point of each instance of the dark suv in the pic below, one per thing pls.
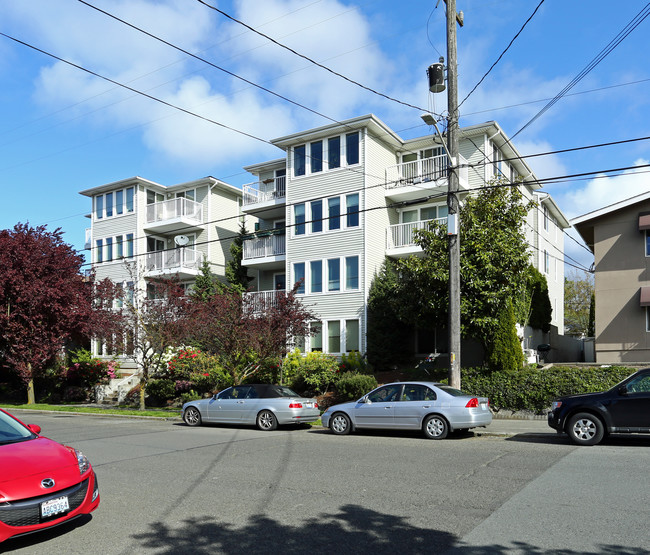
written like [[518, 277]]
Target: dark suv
[[623, 409]]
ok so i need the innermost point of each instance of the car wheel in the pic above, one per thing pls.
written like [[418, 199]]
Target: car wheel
[[266, 421], [435, 427], [340, 424], [192, 416], [585, 429]]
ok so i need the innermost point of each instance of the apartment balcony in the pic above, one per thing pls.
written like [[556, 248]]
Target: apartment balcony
[[185, 263], [400, 238], [412, 180], [174, 215], [266, 250], [258, 302], [268, 196]]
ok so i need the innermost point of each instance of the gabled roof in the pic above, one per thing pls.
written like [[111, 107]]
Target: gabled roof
[[585, 224], [545, 199]]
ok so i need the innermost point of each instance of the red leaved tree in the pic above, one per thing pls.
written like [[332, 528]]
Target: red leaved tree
[[44, 299], [246, 334]]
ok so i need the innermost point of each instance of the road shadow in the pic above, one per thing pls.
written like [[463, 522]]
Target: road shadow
[[404, 434], [619, 440], [353, 529], [37, 538], [529, 549]]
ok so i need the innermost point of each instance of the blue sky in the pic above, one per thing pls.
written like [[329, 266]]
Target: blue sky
[[63, 130]]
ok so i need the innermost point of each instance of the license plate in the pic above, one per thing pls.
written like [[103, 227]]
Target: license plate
[[55, 506], [483, 406], [308, 405]]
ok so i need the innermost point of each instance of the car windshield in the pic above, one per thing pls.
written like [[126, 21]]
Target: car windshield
[[452, 391], [12, 431]]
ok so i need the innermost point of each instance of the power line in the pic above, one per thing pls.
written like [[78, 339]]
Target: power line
[[310, 60], [622, 35], [502, 53], [127, 87]]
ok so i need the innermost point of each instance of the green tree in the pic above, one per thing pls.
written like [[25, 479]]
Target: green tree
[[236, 273], [493, 266], [504, 349], [388, 340], [578, 291], [206, 284], [540, 310]]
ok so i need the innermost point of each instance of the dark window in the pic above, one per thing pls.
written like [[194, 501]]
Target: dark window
[[334, 152], [317, 156], [317, 216], [352, 148], [299, 160], [334, 212]]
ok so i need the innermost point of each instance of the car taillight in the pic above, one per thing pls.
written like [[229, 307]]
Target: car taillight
[[295, 405], [315, 405], [472, 403]]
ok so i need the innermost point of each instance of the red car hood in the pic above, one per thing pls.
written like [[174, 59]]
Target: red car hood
[[23, 465]]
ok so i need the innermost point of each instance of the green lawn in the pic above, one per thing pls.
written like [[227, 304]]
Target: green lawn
[[156, 413]]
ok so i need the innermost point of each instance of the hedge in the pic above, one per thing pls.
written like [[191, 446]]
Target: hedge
[[533, 389]]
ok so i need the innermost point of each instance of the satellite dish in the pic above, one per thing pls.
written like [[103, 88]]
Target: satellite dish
[[181, 240]]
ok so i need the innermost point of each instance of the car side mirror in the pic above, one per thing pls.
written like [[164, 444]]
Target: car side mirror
[[622, 390], [364, 400], [34, 428]]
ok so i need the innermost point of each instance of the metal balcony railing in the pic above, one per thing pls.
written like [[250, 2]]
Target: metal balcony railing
[[262, 191], [173, 260], [174, 209], [402, 235], [423, 171], [265, 244]]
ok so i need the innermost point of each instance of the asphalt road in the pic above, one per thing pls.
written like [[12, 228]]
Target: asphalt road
[[170, 489]]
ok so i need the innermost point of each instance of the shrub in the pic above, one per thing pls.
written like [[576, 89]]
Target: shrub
[[353, 362], [215, 379], [533, 389], [316, 372], [351, 385], [160, 390], [86, 372], [189, 396]]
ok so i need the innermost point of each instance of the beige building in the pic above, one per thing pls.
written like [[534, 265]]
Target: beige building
[[618, 235]]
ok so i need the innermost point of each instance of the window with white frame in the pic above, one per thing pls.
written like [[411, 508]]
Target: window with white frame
[[327, 275], [326, 215], [546, 218], [109, 249], [335, 336], [423, 213], [114, 203], [547, 262], [326, 154]]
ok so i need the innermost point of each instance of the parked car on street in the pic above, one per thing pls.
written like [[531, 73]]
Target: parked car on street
[[42, 483], [434, 408], [266, 406], [589, 417]]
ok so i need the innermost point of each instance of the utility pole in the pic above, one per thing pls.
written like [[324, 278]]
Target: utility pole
[[452, 198]]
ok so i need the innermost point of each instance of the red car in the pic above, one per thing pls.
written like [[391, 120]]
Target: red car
[[42, 483]]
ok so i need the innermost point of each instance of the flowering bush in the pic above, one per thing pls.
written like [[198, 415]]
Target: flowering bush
[[353, 362], [86, 372]]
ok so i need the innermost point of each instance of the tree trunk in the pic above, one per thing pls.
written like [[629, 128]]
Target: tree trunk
[[31, 398], [141, 395]]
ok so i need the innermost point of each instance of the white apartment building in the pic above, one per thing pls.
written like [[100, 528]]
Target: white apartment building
[[329, 214], [343, 198], [160, 231]]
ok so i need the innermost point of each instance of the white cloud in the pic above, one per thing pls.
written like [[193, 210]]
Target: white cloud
[[603, 191]]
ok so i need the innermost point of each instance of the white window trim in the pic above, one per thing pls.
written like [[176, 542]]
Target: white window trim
[[324, 275], [125, 211], [325, 336], [325, 155], [343, 216]]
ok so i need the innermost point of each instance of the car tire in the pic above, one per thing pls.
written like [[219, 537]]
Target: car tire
[[340, 424], [266, 421], [585, 429], [435, 427], [192, 416]]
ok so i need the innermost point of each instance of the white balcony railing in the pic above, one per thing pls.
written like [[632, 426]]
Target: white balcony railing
[[173, 260], [174, 209], [422, 171], [402, 235], [262, 191], [259, 301], [273, 244]]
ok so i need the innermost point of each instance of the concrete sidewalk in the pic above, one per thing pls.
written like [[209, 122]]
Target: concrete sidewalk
[[504, 426]]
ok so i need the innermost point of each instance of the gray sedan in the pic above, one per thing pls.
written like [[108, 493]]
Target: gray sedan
[[434, 408], [263, 405]]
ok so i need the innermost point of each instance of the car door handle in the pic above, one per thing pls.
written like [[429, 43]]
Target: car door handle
[[426, 406], [240, 402]]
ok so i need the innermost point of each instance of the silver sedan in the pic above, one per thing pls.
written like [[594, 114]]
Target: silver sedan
[[263, 405], [434, 408]]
